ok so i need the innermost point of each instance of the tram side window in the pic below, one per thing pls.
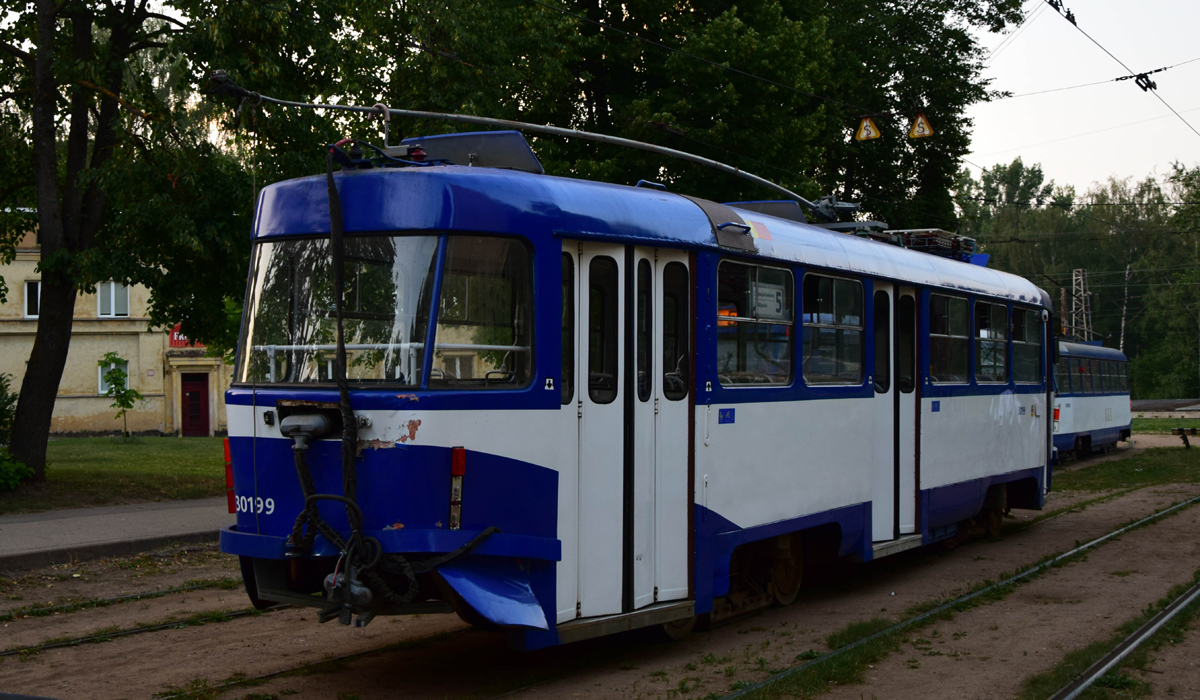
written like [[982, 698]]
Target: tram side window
[[1106, 368], [1062, 375], [991, 342], [1027, 346], [1085, 372], [602, 329], [1123, 368], [676, 292], [484, 336], [754, 325], [833, 330], [568, 329], [949, 340]]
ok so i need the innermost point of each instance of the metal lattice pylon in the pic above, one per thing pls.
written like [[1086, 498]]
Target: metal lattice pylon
[[1079, 324]]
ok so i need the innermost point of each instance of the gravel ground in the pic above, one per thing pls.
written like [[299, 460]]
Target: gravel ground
[[438, 656]]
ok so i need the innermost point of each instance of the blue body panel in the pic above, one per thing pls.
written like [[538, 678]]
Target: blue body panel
[[501, 592]]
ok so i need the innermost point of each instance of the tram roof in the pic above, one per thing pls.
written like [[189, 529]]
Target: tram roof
[[438, 198], [1099, 352]]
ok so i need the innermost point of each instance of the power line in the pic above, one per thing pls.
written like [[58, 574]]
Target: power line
[[1151, 88], [1098, 82], [1011, 38]]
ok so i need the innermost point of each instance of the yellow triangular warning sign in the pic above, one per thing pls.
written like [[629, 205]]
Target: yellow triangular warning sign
[[867, 130], [920, 128]]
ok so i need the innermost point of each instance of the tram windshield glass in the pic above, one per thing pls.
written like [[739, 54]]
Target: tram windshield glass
[[290, 335]]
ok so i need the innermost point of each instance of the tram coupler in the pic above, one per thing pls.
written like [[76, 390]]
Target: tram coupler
[[347, 594]]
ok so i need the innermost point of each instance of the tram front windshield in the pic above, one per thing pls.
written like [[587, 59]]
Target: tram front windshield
[[483, 332]]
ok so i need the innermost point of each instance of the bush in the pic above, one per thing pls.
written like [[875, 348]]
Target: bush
[[12, 472], [8, 407]]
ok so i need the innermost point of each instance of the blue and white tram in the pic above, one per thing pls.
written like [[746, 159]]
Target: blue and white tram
[[1091, 404], [574, 408]]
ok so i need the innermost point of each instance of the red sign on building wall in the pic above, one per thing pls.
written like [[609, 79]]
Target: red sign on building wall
[[179, 340]]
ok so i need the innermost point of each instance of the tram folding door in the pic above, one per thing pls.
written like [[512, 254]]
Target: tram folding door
[[631, 313], [894, 497]]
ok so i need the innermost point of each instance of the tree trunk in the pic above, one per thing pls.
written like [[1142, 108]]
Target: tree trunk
[[31, 425]]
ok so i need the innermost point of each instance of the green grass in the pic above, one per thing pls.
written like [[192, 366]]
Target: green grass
[[1163, 425], [1155, 466], [84, 472]]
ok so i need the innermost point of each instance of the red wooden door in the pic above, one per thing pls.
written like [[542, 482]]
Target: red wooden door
[[194, 388]]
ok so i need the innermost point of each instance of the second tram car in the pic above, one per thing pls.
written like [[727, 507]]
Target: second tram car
[[574, 408], [1091, 404]]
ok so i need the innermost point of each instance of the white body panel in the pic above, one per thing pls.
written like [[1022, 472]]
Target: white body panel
[[781, 460], [970, 437], [1083, 413]]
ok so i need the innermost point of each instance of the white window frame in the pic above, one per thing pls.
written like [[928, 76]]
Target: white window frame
[[109, 289], [25, 299], [101, 389]]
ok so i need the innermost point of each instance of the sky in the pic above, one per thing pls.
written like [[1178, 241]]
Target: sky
[[1087, 134]]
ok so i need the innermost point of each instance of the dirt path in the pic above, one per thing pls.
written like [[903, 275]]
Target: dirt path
[[638, 666], [988, 651], [437, 656], [1175, 668]]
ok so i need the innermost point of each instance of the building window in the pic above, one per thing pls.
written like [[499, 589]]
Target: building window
[[949, 339], [833, 330], [754, 325], [33, 298], [101, 385], [113, 298]]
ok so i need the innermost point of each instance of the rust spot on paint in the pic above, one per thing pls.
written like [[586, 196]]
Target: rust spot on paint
[[412, 426], [375, 444], [408, 397]]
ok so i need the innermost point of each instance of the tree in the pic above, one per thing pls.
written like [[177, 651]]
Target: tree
[[124, 396], [105, 142]]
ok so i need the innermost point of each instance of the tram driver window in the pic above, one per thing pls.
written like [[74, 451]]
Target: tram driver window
[[485, 315], [754, 325], [1027, 346], [833, 330], [949, 342]]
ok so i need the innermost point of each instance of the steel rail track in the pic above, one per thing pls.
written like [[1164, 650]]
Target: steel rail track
[[107, 636], [1113, 658], [771, 680], [42, 610]]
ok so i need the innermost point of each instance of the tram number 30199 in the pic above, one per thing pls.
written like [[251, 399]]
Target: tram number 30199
[[249, 504]]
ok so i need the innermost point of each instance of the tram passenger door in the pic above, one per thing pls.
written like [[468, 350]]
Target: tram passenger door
[[883, 498], [908, 401], [632, 368], [601, 367], [894, 493]]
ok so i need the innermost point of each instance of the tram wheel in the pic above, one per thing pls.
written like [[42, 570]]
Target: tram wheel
[[676, 630], [787, 569], [250, 581]]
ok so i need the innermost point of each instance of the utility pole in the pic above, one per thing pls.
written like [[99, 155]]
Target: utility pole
[[1125, 306]]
